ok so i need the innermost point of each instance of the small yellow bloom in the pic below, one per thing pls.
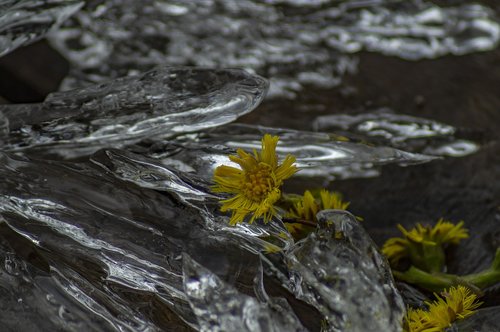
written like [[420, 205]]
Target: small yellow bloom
[[256, 186], [444, 232], [456, 303], [307, 208], [416, 321], [395, 249]]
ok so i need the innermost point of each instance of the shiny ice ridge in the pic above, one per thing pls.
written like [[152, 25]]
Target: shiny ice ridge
[[105, 244], [218, 306], [322, 156], [164, 102], [22, 22], [295, 43], [399, 130], [95, 250], [339, 270]]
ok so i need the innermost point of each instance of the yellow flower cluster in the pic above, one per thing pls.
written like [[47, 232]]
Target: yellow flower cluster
[[307, 207], [454, 304], [256, 184], [444, 232]]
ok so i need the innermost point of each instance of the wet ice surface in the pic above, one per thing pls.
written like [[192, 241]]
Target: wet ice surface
[[22, 22], [345, 277], [295, 43], [161, 103], [400, 131], [129, 237], [106, 253], [106, 240], [318, 154]]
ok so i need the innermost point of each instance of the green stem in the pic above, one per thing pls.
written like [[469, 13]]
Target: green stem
[[438, 281], [487, 277], [434, 282]]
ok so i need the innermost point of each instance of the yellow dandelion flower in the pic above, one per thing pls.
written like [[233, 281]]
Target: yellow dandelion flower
[[307, 208], [454, 304], [332, 200], [395, 249], [447, 232], [444, 232], [256, 186], [415, 320]]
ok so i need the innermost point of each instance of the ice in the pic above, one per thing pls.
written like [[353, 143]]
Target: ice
[[294, 43], [108, 251], [163, 103], [103, 239], [322, 156], [220, 307], [410, 133], [339, 270], [25, 21]]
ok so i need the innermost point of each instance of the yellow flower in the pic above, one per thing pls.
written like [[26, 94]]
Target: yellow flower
[[416, 321], [256, 186], [395, 249], [444, 232], [307, 208], [456, 303]]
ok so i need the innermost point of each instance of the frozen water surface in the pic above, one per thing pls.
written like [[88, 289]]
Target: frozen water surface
[[107, 221], [107, 237], [163, 102], [295, 43], [24, 21]]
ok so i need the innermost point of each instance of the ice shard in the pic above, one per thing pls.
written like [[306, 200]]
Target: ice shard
[[25, 21], [318, 154], [218, 306], [161, 103], [410, 133], [339, 270], [294, 43]]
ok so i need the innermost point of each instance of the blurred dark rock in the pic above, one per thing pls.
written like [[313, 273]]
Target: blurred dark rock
[[30, 73]]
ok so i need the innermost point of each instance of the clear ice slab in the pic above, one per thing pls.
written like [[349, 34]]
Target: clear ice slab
[[318, 154], [25, 21], [100, 245], [163, 103], [384, 127], [339, 270], [218, 306], [294, 43], [95, 251]]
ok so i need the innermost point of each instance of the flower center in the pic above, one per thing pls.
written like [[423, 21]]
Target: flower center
[[258, 182]]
